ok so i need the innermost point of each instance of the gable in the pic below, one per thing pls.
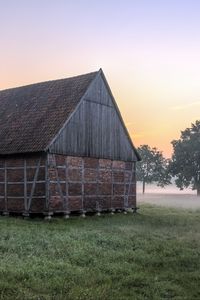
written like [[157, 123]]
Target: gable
[[96, 128]]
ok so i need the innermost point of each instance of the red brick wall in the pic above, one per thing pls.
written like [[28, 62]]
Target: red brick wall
[[14, 193], [90, 184], [74, 184]]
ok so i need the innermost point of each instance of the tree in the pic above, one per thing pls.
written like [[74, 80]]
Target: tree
[[185, 163], [153, 167]]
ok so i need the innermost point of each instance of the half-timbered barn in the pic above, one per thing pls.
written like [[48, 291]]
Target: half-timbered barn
[[64, 148]]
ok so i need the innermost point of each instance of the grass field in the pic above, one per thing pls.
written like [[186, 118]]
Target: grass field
[[151, 255]]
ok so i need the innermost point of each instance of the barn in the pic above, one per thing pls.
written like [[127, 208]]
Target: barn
[[64, 148]]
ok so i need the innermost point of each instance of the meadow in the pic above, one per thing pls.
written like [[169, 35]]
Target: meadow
[[154, 254]]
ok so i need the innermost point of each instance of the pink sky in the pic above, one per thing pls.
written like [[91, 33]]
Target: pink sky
[[148, 50]]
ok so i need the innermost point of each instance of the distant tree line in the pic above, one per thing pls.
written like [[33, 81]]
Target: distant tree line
[[184, 165], [153, 167]]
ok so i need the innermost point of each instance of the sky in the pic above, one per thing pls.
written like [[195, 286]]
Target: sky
[[149, 51]]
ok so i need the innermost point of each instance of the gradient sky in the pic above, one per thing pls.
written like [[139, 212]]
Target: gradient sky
[[148, 50]]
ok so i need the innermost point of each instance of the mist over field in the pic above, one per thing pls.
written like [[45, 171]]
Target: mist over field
[[169, 189], [170, 196]]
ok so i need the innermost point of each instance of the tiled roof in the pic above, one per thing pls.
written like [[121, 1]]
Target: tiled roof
[[31, 116]]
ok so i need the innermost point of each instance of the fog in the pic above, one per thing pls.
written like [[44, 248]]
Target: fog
[[169, 196]]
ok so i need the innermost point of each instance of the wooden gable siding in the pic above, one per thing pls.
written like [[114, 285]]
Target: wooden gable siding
[[95, 128], [98, 92]]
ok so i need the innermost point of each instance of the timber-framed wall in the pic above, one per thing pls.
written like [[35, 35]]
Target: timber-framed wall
[[49, 183], [23, 183]]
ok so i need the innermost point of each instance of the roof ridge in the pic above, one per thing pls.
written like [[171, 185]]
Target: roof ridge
[[48, 81]]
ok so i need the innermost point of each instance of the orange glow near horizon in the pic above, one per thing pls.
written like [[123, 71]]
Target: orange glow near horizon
[[149, 52]]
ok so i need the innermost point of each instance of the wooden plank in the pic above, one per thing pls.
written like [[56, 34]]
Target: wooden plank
[[21, 182], [21, 168], [112, 193], [130, 182], [47, 183], [18, 197], [98, 208], [25, 186], [66, 207], [92, 101], [33, 185], [82, 184], [58, 182], [5, 186]]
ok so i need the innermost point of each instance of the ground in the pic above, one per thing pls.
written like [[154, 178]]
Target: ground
[[154, 254]]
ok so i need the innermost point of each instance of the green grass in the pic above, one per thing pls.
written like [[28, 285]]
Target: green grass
[[151, 255]]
